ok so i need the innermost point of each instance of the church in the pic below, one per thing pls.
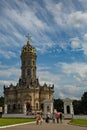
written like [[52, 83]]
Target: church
[[28, 96]]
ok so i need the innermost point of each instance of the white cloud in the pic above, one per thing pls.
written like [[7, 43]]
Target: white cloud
[[43, 67], [43, 47], [70, 83], [75, 43], [24, 17], [9, 72], [77, 19], [8, 75], [66, 17], [85, 37], [79, 43], [78, 69], [56, 11], [85, 48], [8, 55], [71, 91], [83, 4], [7, 83], [48, 77]]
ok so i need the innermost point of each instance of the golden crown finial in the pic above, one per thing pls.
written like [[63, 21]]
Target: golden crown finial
[[28, 43]]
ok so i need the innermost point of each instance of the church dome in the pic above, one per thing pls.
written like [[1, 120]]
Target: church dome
[[28, 48]]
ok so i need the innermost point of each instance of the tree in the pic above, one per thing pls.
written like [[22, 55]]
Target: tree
[[1, 101], [77, 107], [84, 103], [58, 105]]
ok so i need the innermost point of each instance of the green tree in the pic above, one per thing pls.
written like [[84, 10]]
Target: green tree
[[1, 101], [84, 103], [58, 105], [77, 107]]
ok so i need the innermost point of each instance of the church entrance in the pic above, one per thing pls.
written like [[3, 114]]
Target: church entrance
[[28, 108]]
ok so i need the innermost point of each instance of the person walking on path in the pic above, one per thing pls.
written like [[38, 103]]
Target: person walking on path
[[60, 117], [38, 118], [53, 117], [57, 117], [47, 118]]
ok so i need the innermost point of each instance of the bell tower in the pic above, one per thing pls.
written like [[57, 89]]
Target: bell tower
[[28, 63]]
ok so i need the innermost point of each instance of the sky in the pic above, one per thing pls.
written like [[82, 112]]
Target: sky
[[59, 34]]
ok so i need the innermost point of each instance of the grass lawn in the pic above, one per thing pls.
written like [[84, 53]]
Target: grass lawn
[[82, 122], [11, 121]]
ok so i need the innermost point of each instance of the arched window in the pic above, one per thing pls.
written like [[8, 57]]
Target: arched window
[[28, 106], [48, 109], [36, 105], [28, 72], [28, 62], [14, 107], [19, 106], [42, 106]]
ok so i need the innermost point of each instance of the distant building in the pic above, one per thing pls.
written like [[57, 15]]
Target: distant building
[[28, 96]]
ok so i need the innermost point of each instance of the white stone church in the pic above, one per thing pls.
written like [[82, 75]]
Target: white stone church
[[28, 96]]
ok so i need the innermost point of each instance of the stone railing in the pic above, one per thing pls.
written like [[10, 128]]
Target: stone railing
[[71, 116], [80, 117]]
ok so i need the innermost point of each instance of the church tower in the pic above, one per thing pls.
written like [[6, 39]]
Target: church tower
[[28, 64]]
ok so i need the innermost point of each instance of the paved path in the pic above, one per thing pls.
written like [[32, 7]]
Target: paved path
[[45, 126]]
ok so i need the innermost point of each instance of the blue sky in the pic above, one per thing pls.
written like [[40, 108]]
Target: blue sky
[[59, 34]]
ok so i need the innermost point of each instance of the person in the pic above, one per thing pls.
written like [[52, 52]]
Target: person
[[38, 118], [57, 117], [60, 117], [47, 119], [41, 120], [53, 117]]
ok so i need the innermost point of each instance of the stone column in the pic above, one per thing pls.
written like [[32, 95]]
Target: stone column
[[71, 109], [45, 108], [65, 111], [51, 107], [24, 109], [5, 109]]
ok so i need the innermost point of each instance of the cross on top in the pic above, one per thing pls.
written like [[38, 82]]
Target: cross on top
[[28, 36]]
